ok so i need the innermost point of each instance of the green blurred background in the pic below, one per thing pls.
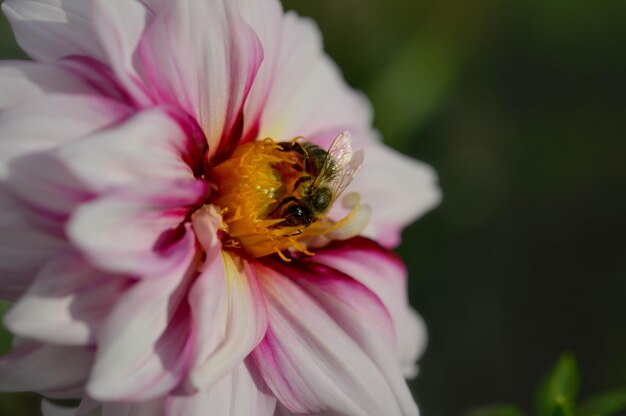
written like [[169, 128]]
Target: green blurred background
[[521, 108]]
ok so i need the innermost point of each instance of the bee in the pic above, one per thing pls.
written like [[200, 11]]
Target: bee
[[321, 178]]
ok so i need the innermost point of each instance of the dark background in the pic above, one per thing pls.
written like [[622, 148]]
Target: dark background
[[521, 109]]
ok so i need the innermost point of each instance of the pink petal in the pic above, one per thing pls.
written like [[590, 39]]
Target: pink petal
[[397, 188], [109, 158], [309, 96], [383, 273], [227, 306], [132, 230], [316, 355], [239, 393], [65, 304], [201, 55], [50, 121], [66, 368], [21, 81], [143, 347], [23, 250], [51, 29]]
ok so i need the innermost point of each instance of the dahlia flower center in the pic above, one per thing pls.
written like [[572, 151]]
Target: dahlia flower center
[[274, 197]]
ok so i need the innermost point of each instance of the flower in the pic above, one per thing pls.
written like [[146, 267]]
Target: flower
[[139, 157]]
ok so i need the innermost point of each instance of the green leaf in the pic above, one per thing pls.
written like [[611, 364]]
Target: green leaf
[[605, 404], [497, 410], [557, 394]]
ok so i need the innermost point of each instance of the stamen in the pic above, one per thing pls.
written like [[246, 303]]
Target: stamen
[[251, 185]]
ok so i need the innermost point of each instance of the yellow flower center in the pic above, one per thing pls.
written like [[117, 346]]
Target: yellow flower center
[[251, 185]]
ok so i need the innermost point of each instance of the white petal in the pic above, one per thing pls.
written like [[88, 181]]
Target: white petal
[[148, 146], [316, 355], [131, 230], [21, 81], [51, 409], [227, 306], [202, 55], [239, 393], [23, 250], [64, 368], [397, 188], [143, 346], [383, 273], [51, 29], [120, 25], [66, 303], [309, 97], [50, 121]]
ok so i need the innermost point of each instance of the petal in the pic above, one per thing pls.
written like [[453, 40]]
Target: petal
[[51, 29], [131, 230], [316, 355], [51, 409], [266, 19], [143, 346], [227, 306], [309, 97], [66, 303], [384, 273], [21, 81], [145, 408], [51, 121], [23, 250], [239, 393], [120, 25], [397, 188], [148, 146], [65, 368], [201, 55]]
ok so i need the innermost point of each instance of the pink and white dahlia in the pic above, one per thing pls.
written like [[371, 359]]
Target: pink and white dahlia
[[168, 225]]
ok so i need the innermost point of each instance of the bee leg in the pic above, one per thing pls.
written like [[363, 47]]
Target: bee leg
[[282, 203]]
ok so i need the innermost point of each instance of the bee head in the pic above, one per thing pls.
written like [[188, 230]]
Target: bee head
[[297, 214]]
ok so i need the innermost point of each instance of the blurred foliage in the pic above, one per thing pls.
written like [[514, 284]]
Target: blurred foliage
[[557, 396], [521, 108]]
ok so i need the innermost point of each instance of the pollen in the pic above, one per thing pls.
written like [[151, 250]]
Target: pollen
[[250, 185]]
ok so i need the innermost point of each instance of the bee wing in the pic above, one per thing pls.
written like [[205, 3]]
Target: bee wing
[[343, 162]]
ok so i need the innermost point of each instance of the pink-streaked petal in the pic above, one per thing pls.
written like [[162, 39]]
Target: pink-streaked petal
[[131, 230], [384, 273], [120, 25], [239, 393], [66, 368], [66, 303], [266, 19], [150, 146], [51, 29], [143, 347], [50, 121], [227, 306], [397, 188], [361, 314], [202, 56], [309, 360], [309, 96], [21, 81], [23, 250]]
